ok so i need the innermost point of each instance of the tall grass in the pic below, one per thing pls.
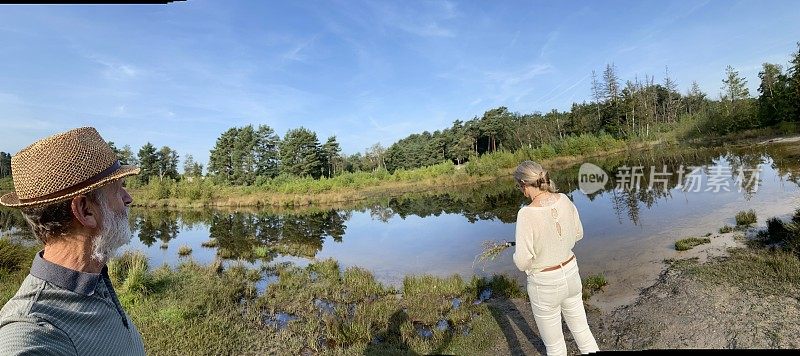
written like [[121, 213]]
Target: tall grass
[[746, 218], [15, 260], [690, 242], [6, 184]]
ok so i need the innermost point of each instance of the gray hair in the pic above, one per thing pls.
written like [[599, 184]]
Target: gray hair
[[532, 173], [51, 221]]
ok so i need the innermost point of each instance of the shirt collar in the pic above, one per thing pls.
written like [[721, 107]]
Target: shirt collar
[[72, 280]]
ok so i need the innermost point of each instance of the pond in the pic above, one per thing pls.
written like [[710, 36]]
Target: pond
[[628, 231]]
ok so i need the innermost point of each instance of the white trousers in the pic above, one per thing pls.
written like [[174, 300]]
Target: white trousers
[[553, 293]]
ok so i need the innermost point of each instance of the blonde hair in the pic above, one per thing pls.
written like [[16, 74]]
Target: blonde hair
[[532, 173]]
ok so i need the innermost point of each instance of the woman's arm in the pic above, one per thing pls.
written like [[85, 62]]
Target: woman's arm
[[523, 252]]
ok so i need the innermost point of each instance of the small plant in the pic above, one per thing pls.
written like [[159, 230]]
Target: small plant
[[210, 243], [746, 218], [491, 249], [593, 284], [707, 234], [725, 229], [184, 250], [261, 252], [689, 243]]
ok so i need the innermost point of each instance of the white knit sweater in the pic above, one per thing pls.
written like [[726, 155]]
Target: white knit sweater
[[539, 244]]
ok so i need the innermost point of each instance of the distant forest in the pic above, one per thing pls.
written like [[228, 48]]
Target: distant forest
[[639, 108]]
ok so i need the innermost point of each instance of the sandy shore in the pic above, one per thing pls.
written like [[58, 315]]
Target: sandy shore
[[676, 311]]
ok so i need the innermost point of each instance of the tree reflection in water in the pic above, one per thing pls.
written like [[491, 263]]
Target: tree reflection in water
[[264, 235], [247, 235]]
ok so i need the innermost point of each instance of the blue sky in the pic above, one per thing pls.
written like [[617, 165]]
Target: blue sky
[[367, 72]]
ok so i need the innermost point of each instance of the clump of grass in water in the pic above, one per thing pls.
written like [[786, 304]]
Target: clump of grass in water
[[210, 243], [593, 284], [746, 218], [184, 250], [689, 243]]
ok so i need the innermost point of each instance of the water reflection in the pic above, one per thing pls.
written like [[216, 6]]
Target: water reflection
[[441, 232], [243, 235], [12, 222]]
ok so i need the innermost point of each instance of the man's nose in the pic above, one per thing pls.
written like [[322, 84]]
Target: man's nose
[[126, 198]]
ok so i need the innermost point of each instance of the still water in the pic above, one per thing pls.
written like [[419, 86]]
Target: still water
[[441, 234]]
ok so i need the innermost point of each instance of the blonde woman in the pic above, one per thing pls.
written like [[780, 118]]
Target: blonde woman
[[546, 232]]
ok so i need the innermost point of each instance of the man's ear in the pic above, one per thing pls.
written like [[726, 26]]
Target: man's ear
[[85, 212]]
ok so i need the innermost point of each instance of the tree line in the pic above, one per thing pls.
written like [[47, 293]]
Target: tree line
[[637, 108], [640, 107], [5, 164]]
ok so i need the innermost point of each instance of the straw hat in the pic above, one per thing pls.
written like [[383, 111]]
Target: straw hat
[[61, 167]]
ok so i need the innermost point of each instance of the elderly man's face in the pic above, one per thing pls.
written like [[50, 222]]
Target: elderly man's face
[[114, 230]]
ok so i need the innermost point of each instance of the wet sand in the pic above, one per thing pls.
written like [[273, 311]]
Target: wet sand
[[628, 274]]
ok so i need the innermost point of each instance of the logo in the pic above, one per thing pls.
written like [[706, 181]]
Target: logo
[[591, 178]]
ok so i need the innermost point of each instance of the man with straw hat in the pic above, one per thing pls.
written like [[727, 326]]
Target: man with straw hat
[[69, 188]]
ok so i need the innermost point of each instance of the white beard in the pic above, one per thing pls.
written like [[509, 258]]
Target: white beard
[[114, 233]]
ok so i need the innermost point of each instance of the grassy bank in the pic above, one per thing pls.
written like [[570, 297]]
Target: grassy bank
[[290, 192], [768, 265], [320, 308]]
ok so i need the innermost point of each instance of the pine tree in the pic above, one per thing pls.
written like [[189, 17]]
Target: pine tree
[[266, 152], [192, 168], [330, 156], [300, 153], [148, 162], [734, 87], [167, 163], [5, 164]]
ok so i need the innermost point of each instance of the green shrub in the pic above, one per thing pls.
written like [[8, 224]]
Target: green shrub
[[593, 284], [689, 243], [785, 233], [726, 229], [746, 218]]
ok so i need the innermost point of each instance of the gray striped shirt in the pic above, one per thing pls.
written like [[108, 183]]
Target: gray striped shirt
[[59, 311]]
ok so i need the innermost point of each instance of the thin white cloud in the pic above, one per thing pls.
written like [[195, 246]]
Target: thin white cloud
[[510, 79], [114, 69], [546, 49], [296, 53], [426, 21]]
